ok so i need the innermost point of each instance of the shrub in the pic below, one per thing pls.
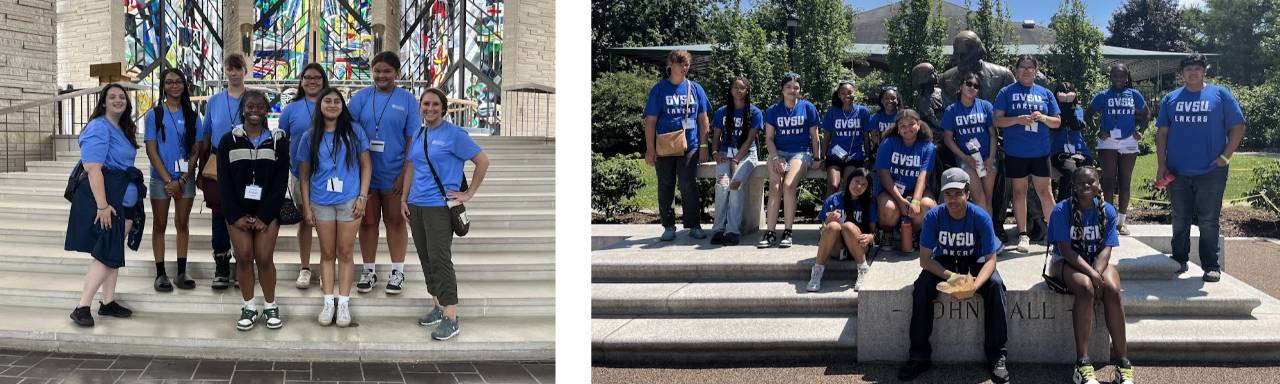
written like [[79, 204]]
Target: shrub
[[1266, 182], [617, 111], [612, 181], [1262, 125]]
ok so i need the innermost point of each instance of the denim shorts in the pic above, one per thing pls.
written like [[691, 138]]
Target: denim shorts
[[805, 157], [336, 212], [156, 189]]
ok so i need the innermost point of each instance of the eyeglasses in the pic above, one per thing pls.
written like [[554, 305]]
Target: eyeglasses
[[971, 84], [312, 78], [174, 82]]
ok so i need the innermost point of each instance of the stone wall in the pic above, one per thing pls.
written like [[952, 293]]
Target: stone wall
[[529, 56], [28, 70], [88, 32]]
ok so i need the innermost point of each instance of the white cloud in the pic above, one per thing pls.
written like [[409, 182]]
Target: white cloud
[[1183, 4]]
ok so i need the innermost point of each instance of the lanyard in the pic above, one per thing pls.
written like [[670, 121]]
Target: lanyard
[[333, 149], [377, 120], [852, 137], [180, 131], [231, 115]]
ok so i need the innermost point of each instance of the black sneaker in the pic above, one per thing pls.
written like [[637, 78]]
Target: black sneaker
[[913, 369], [786, 239], [999, 373], [717, 238], [162, 284], [221, 272], [731, 239], [113, 309], [394, 282], [182, 281], [1212, 276], [767, 239], [1182, 267], [82, 316]]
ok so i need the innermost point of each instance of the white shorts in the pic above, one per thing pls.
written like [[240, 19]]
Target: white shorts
[[1125, 146]]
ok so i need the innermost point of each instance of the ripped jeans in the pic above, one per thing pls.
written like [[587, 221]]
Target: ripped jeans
[[730, 199]]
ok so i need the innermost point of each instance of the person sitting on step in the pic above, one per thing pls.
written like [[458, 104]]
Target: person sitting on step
[[846, 218]]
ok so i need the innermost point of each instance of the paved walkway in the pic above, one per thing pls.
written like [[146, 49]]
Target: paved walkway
[[22, 367]]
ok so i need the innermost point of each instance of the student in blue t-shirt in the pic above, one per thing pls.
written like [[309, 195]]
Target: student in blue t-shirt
[[846, 124], [1024, 113], [881, 122], [433, 183], [902, 166], [1124, 122], [296, 121], [846, 216], [791, 134], [958, 244], [1070, 152], [1082, 231], [1200, 125], [108, 145], [334, 175], [677, 104], [221, 113], [172, 129], [735, 127], [968, 133], [389, 118]]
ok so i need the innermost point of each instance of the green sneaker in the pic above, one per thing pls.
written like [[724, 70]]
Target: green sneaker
[[1083, 374], [1124, 371], [248, 317], [433, 317], [447, 330], [273, 317]]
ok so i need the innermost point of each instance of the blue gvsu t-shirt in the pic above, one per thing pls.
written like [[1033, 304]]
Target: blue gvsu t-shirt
[[103, 143], [333, 164], [1197, 123], [170, 147], [791, 125], [1117, 108], [451, 147], [970, 124], [734, 139], [389, 117], [973, 236], [846, 130], [1066, 140], [855, 213], [220, 114], [677, 107], [904, 163], [296, 120], [1090, 230], [1016, 100], [881, 122]]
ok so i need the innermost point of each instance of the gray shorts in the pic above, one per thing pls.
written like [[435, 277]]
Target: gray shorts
[[336, 212], [155, 190]]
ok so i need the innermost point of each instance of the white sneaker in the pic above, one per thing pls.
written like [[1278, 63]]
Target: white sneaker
[[1023, 242], [367, 279], [815, 278], [862, 276], [304, 279], [326, 314], [344, 314]]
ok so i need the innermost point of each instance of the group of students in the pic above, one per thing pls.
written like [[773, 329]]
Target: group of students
[[344, 171], [1033, 127]]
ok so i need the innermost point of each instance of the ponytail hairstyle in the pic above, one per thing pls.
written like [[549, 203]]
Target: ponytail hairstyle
[[1077, 220], [343, 133], [730, 125], [188, 113]]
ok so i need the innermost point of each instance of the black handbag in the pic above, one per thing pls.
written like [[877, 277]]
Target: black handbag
[[73, 181], [457, 212], [1054, 284], [289, 214]]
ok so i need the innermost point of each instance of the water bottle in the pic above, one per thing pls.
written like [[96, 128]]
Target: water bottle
[[1164, 181], [904, 225]]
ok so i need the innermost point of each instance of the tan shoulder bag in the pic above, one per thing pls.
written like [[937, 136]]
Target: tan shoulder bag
[[674, 143]]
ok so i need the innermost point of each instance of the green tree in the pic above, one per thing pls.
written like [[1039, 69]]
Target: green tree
[[822, 42], [916, 32], [1235, 29], [991, 22], [1153, 25], [741, 46], [628, 23], [1076, 54], [617, 111]]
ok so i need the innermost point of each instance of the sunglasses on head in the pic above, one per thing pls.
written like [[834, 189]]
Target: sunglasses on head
[[850, 82], [971, 84]]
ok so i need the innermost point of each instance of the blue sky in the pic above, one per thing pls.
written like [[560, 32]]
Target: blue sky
[[1039, 10]]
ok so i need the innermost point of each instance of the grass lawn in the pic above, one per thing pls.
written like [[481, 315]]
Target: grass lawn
[[647, 196], [1239, 181]]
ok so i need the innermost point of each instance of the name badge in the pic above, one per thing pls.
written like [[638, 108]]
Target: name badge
[[839, 152], [180, 166], [973, 145], [902, 189], [690, 124], [1115, 134], [1068, 148], [253, 192], [1033, 127], [334, 185], [377, 145]]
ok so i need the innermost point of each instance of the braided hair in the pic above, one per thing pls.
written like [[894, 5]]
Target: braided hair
[[1077, 220]]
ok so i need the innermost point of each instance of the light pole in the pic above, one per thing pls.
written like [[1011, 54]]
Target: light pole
[[793, 23]]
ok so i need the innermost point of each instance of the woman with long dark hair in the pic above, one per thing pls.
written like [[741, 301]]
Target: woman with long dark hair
[[846, 123], [847, 216], [171, 131], [296, 119], [1124, 121], [734, 129], [112, 186], [968, 133], [335, 172], [432, 184], [903, 163], [253, 173], [1024, 113], [791, 134]]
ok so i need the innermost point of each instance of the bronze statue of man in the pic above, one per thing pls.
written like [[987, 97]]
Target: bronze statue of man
[[967, 54]]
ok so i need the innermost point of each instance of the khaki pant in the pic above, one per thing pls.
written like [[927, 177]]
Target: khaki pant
[[433, 238]]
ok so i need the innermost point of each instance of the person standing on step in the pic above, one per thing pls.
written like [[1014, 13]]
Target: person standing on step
[[846, 123], [1201, 125], [846, 216], [433, 183], [220, 115], [968, 133], [1069, 151], [677, 104], [253, 164], [903, 166], [170, 136], [335, 171], [1082, 231], [958, 242], [882, 121], [735, 127], [105, 209], [389, 118], [1124, 120], [791, 134], [296, 120], [1024, 113]]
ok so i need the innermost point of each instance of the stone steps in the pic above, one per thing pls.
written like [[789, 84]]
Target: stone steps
[[702, 341], [492, 199], [386, 339], [54, 170], [718, 298], [516, 184]]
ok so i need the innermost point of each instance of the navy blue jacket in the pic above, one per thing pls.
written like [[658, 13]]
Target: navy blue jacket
[[85, 236]]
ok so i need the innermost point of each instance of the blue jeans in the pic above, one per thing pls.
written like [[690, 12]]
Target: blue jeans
[[729, 201], [1198, 199]]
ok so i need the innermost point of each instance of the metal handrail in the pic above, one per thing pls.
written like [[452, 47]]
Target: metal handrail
[[67, 96]]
